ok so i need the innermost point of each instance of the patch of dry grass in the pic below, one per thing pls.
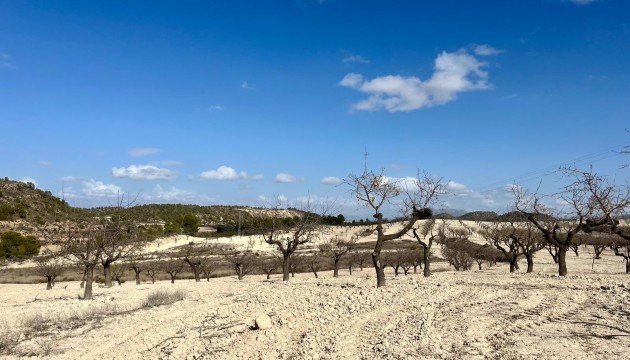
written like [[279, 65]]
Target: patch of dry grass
[[164, 297]]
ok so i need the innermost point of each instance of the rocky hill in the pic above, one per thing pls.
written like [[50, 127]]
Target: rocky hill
[[23, 202]]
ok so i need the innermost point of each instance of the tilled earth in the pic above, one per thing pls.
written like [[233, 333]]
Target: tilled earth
[[488, 314]]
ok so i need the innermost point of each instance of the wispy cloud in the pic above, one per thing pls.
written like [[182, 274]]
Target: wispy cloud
[[331, 180], [174, 195], [356, 59], [96, 188], [223, 173], [246, 86], [44, 163], [217, 107], [258, 177], [285, 178], [143, 151], [486, 50], [143, 172], [5, 62], [453, 73]]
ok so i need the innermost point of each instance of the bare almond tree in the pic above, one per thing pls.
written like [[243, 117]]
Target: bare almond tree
[[49, 267], [593, 204], [138, 267], [81, 244], [287, 234], [172, 267], [242, 258], [337, 248], [375, 190], [431, 230], [269, 266], [501, 236], [195, 260], [120, 239]]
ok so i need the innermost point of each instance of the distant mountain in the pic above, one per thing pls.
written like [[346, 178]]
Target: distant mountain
[[452, 212], [479, 216]]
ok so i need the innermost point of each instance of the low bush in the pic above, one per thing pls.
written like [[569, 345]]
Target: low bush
[[163, 297]]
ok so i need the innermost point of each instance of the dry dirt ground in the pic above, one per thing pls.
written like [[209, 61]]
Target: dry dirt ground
[[488, 314]]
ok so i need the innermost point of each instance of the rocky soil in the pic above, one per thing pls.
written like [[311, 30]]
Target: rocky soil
[[488, 314]]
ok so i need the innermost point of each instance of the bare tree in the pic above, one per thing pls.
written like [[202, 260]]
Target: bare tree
[[152, 269], [501, 236], [49, 267], [79, 243], [137, 266], [288, 233], [118, 271], [375, 190], [314, 264], [172, 267], [120, 239], [559, 229], [269, 266], [336, 248], [195, 260], [428, 228], [241, 258]]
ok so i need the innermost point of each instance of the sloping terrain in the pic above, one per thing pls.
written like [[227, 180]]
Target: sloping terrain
[[488, 314]]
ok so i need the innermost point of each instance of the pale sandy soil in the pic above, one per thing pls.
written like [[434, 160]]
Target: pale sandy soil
[[487, 314]]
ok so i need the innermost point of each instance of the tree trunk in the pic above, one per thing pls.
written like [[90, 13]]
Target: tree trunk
[[350, 269], [627, 267], [239, 271], [285, 268], [562, 260], [380, 274], [512, 267], [82, 285], [268, 276], [336, 268], [479, 264], [108, 274], [415, 268], [89, 277], [49, 283], [208, 277], [137, 277], [197, 274], [427, 262], [516, 263], [530, 262], [315, 273]]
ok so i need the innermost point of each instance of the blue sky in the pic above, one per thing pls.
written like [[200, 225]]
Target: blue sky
[[230, 102]]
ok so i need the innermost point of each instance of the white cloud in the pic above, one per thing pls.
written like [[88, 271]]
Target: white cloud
[[331, 180], [44, 163], [356, 58], [223, 173], [258, 177], [171, 195], [143, 151], [92, 187], [486, 50], [282, 198], [287, 178], [455, 187], [453, 73], [246, 86], [28, 179], [143, 172], [217, 107]]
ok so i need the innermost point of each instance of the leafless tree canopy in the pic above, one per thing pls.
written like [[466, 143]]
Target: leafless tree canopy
[[375, 190]]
